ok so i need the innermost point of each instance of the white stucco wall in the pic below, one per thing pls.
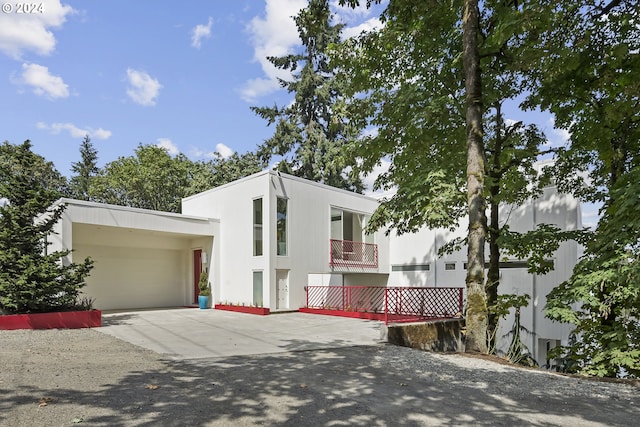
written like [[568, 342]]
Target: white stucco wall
[[308, 230]]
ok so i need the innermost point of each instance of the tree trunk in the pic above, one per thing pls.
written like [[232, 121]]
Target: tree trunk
[[493, 274], [476, 317]]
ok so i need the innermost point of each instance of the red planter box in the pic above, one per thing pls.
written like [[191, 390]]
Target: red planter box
[[57, 320], [243, 309]]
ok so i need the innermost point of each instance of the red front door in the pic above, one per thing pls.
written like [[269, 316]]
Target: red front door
[[197, 267]]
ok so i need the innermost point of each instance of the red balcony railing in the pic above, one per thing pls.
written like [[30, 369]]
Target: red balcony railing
[[345, 253], [393, 304]]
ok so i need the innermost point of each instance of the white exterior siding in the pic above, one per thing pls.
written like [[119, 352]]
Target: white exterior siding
[[308, 232], [232, 204]]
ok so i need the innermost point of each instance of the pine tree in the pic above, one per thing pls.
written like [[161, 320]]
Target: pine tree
[[31, 279], [85, 170], [311, 133]]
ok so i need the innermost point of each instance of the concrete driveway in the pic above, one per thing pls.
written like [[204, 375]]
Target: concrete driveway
[[193, 333]]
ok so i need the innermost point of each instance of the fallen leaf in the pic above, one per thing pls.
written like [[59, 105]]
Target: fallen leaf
[[77, 420], [303, 386], [44, 401], [152, 386]]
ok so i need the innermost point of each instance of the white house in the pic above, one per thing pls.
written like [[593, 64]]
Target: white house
[[265, 237]]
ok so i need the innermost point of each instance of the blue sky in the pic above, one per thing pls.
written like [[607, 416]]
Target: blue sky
[[179, 74]]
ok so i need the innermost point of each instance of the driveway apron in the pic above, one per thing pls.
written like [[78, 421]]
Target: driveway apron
[[192, 333]]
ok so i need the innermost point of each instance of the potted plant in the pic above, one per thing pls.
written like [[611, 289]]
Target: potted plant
[[205, 291]]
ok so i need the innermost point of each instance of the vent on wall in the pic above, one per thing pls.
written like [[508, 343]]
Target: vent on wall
[[410, 267]]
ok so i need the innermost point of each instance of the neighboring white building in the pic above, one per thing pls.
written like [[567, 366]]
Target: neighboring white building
[[265, 237]]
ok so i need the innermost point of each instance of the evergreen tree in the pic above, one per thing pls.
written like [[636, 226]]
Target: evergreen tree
[[311, 132], [85, 170], [32, 279]]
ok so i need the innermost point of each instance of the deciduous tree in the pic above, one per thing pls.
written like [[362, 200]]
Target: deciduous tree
[[587, 78], [436, 102]]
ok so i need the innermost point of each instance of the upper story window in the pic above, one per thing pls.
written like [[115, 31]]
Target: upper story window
[[257, 227], [281, 227]]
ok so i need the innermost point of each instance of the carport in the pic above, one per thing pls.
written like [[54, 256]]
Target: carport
[[142, 258]]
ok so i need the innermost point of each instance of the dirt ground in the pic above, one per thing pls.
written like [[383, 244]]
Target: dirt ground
[[71, 377]]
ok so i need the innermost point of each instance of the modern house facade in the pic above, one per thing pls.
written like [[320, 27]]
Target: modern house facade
[[264, 238]]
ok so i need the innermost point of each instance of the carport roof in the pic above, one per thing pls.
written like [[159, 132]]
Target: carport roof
[[84, 212]]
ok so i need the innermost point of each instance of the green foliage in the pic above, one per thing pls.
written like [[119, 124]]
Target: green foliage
[[151, 179], [584, 68], [408, 81], [85, 170], [517, 352], [203, 284], [311, 132], [602, 298], [220, 171], [536, 246], [32, 279]]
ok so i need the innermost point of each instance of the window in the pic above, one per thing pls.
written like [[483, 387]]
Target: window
[[281, 227], [257, 227], [450, 266], [257, 288]]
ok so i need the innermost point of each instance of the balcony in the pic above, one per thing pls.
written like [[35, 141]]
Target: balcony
[[345, 253]]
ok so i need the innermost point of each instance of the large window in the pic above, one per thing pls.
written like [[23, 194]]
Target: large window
[[257, 227], [281, 227]]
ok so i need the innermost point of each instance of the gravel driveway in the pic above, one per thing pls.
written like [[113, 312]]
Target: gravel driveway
[[70, 377]]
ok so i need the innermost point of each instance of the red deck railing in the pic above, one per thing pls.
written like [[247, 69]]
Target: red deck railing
[[345, 253], [391, 304]]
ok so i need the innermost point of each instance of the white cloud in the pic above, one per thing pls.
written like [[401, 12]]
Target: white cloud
[[32, 31], [221, 151], [350, 12], [224, 151], [368, 25], [370, 178], [43, 83], [201, 32], [74, 131], [143, 88], [560, 136], [168, 145], [275, 34]]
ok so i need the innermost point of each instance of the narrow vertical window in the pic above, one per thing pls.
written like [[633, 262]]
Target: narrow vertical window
[[257, 227], [257, 289], [281, 227]]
